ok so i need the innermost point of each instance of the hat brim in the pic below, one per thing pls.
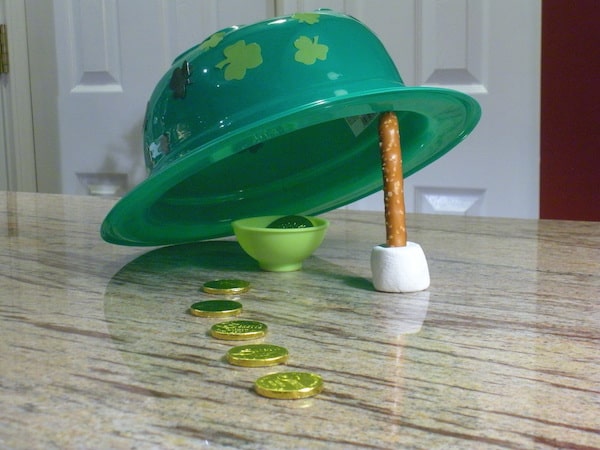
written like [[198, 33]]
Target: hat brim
[[306, 160]]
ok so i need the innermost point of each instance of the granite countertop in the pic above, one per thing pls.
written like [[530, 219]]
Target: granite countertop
[[98, 349]]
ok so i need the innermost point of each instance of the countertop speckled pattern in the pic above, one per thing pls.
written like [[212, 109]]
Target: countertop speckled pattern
[[97, 349]]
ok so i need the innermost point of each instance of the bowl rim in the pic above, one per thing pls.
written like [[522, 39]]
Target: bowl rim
[[239, 224]]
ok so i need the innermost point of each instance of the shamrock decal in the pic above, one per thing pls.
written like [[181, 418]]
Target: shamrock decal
[[180, 79], [212, 41], [309, 18], [239, 58], [310, 50]]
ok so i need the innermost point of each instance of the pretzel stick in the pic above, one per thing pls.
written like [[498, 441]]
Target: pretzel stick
[[393, 182]]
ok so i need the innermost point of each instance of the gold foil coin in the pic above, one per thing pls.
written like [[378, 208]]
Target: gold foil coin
[[289, 385], [216, 308], [238, 330], [257, 355], [226, 287], [291, 222]]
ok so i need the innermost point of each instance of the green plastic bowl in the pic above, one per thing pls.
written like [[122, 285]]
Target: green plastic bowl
[[279, 249]]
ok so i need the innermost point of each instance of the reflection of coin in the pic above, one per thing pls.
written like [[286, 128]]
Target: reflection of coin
[[226, 287], [238, 330], [289, 385], [257, 355], [216, 308]]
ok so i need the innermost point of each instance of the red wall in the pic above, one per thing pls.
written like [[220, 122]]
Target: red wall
[[570, 110]]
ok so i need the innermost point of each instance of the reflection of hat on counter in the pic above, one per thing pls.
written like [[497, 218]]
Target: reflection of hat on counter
[[277, 117]]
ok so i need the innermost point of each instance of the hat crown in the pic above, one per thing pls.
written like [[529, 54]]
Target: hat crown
[[242, 73]]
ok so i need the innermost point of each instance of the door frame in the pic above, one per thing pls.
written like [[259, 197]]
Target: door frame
[[18, 144], [569, 133]]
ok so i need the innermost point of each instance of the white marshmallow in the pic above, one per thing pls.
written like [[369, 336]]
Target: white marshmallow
[[399, 269]]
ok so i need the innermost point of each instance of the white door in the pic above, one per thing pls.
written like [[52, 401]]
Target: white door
[[93, 70]]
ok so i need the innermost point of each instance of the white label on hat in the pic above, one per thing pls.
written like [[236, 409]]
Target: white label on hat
[[358, 124]]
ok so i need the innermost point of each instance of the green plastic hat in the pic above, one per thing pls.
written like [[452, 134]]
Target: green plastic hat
[[278, 117]]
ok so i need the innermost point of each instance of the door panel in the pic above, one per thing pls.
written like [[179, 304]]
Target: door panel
[[450, 44]]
